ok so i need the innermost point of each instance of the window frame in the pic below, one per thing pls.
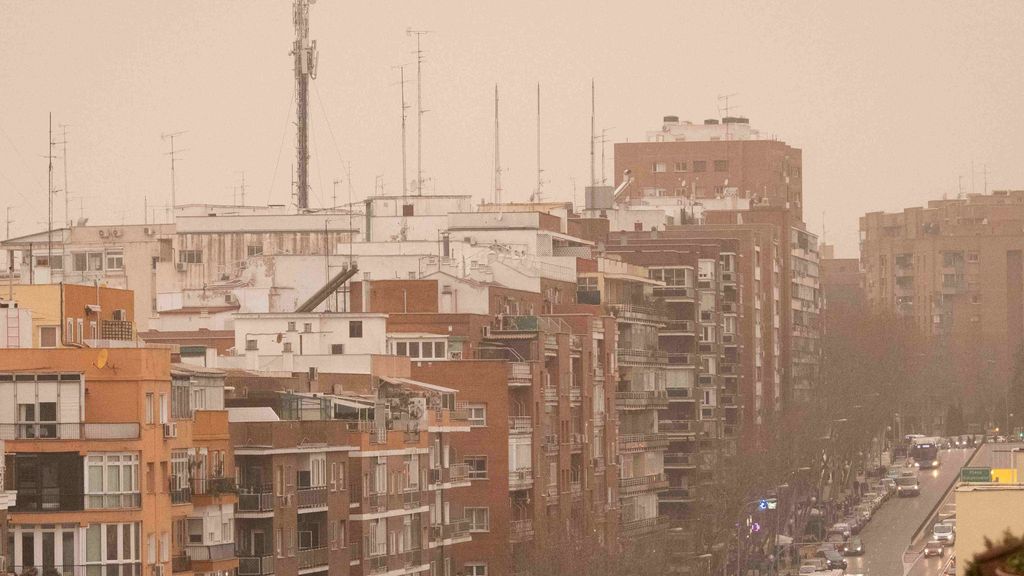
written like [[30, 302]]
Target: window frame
[[470, 512]]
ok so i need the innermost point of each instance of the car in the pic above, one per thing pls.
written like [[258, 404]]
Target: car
[[934, 548], [855, 524], [889, 483], [835, 561], [944, 533], [854, 547], [835, 541], [908, 485], [840, 528]]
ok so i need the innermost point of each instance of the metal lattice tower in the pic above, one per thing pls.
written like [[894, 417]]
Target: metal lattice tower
[[305, 54]]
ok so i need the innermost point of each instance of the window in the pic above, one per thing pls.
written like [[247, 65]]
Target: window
[[254, 250], [477, 467], [476, 569], [190, 256], [680, 166], [426, 350], [115, 260], [79, 262], [408, 210], [721, 165], [658, 167], [55, 262], [95, 261], [700, 166], [479, 519], [355, 329], [47, 336], [972, 256], [195, 530], [477, 415], [81, 328], [112, 481], [307, 327], [337, 348], [291, 326]]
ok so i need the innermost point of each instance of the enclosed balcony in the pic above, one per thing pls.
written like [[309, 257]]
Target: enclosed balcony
[[255, 565], [46, 482], [641, 400], [520, 374]]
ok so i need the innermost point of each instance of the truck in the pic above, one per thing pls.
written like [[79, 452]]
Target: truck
[[908, 484]]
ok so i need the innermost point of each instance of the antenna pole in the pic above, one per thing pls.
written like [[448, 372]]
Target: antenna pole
[[593, 173], [64, 144], [419, 108], [604, 140], [241, 188], [540, 171], [497, 151], [10, 260], [405, 161], [174, 157], [49, 196], [305, 55]]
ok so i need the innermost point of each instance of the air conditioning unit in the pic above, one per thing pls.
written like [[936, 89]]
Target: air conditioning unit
[[116, 232], [158, 569], [171, 430], [180, 266], [149, 231], [120, 315]]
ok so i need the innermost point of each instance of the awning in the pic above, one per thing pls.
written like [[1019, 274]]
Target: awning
[[418, 384]]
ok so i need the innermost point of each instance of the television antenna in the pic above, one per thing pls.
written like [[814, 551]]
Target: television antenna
[[174, 158], [419, 106]]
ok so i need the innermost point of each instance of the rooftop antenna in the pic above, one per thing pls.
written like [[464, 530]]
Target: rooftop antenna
[[540, 171], [405, 162], [241, 187], [419, 107], [497, 151], [723, 110], [604, 139], [334, 197], [348, 176], [984, 168], [49, 196], [304, 51], [174, 157], [64, 157], [593, 174], [10, 260]]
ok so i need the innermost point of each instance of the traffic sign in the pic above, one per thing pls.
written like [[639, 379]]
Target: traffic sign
[[979, 474]]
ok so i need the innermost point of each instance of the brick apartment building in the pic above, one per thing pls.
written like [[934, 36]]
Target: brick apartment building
[[101, 446], [955, 269], [712, 160]]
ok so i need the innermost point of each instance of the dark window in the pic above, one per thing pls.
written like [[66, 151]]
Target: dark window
[[700, 166], [721, 165], [355, 329], [337, 348], [254, 249], [680, 166], [477, 467], [407, 210], [190, 256]]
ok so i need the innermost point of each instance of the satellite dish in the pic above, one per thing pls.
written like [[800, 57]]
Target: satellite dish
[[101, 358]]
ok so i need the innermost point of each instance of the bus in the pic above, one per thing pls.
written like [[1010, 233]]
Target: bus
[[925, 452]]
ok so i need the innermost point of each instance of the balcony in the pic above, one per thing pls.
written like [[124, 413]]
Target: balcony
[[642, 400], [213, 486], [637, 314], [550, 394], [641, 442], [677, 495], [69, 431], [312, 558], [575, 394], [551, 443], [521, 530], [576, 441], [312, 497], [677, 427], [680, 359], [520, 479], [598, 374], [680, 461], [180, 490], [576, 488], [456, 528], [680, 394], [676, 327], [642, 484], [644, 526], [120, 569], [181, 563], [255, 565], [638, 356], [48, 500], [674, 293], [256, 499], [519, 374], [211, 553]]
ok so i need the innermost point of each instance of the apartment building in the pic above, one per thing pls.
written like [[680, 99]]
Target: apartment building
[[713, 160], [16, 329], [7, 500], [101, 452], [955, 270], [842, 287], [63, 315]]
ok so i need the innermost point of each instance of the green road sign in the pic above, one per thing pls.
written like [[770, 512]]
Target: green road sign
[[976, 474]]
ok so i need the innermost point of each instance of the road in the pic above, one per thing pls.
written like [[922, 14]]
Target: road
[[887, 535]]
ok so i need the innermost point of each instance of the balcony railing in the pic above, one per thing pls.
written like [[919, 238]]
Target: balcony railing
[[680, 460], [551, 443], [255, 565], [677, 426], [676, 495], [312, 557], [521, 530], [642, 483], [459, 472], [642, 399], [674, 292], [678, 359], [256, 498], [457, 528], [520, 478], [520, 424], [199, 553], [214, 486], [181, 563], [125, 569], [312, 497], [180, 490], [550, 394], [48, 500], [644, 526], [642, 441], [684, 326], [519, 374], [69, 431], [641, 356]]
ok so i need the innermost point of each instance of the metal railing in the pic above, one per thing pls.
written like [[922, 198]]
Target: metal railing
[[214, 486], [641, 356], [641, 483], [519, 374], [520, 424], [521, 530], [520, 478], [642, 399], [121, 569], [550, 393], [680, 460], [255, 565], [685, 326], [677, 426], [312, 497], [312, 557], [180, 490], [457, 528], [69, 431], [181, 563], [199, 553], [256, 498]]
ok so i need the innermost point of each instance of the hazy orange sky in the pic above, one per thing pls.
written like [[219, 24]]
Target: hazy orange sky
[[891, 102]]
